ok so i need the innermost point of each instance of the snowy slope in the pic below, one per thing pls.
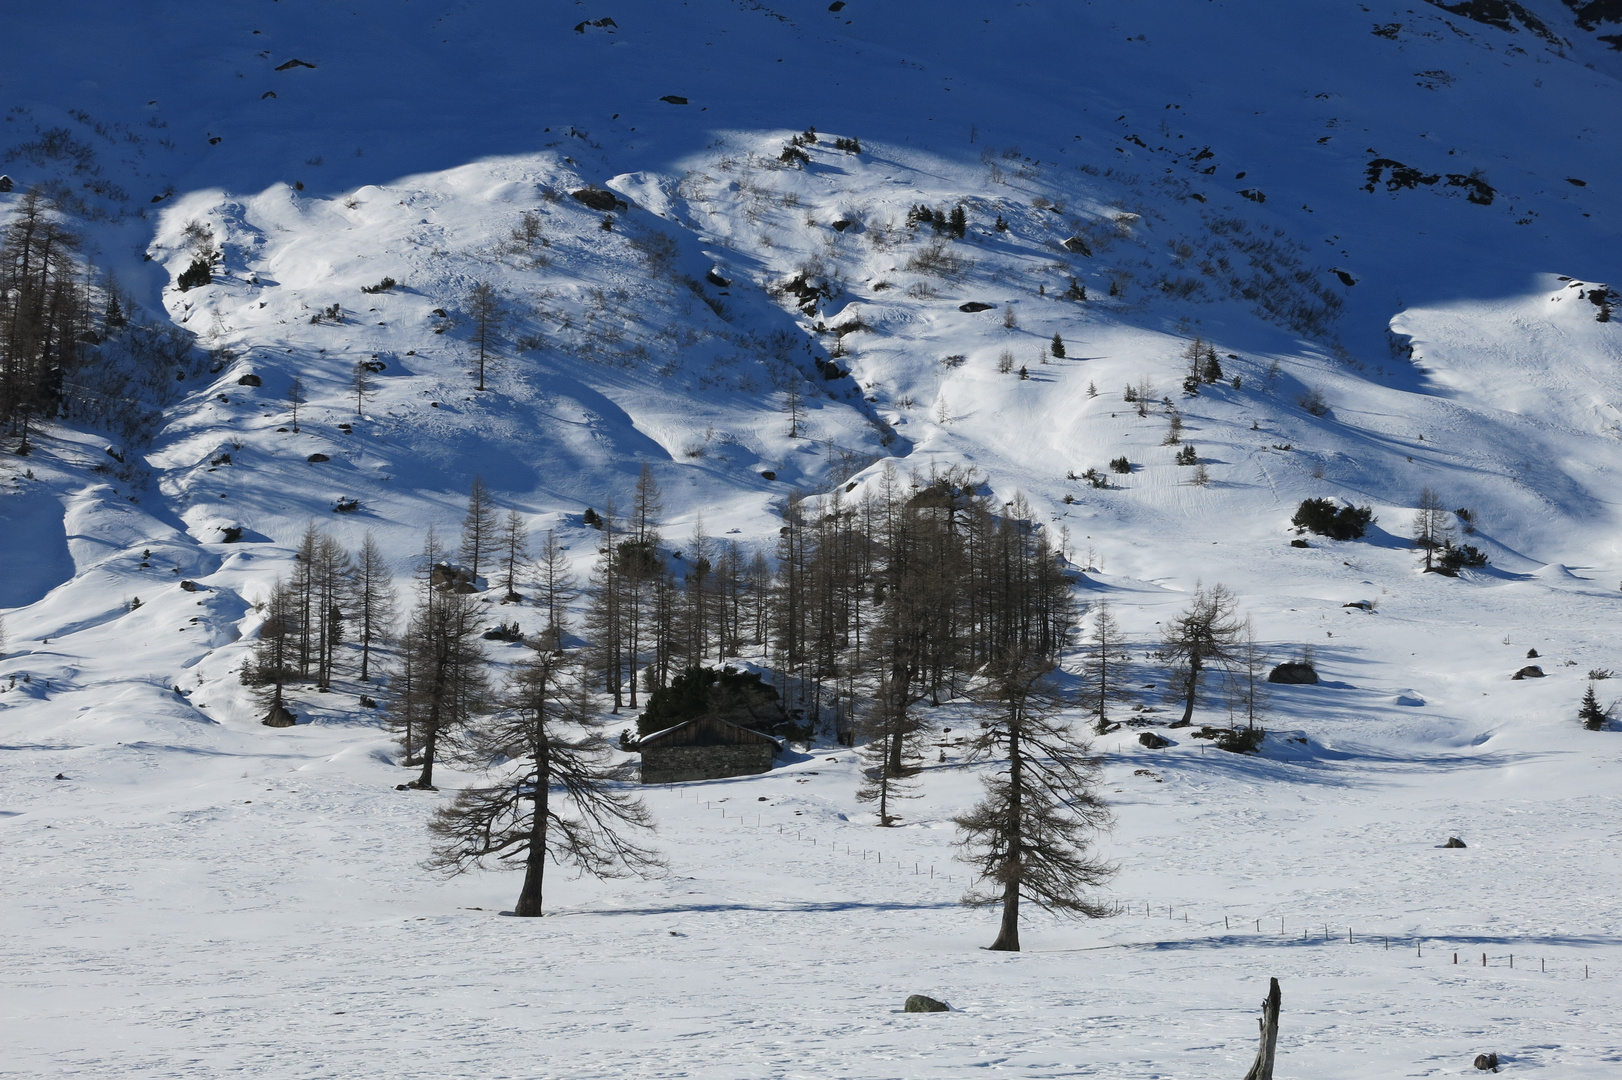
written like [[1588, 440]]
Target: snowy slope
[[201, 895]]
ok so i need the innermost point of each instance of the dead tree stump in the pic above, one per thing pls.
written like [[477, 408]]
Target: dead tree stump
[[1263, 1068]]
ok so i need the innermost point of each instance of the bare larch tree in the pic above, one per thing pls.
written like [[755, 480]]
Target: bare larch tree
[[1031, 836], [550, 793]]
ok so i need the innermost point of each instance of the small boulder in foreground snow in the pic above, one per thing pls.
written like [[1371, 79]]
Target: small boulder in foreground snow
[[920, 1003]]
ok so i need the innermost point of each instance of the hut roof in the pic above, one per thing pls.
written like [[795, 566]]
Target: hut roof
[[707, 731]]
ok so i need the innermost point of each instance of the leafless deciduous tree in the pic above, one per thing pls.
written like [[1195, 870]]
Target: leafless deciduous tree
[[373, 602], [442, 683], [557, 591], [1031, 836], [552, 797], [1201, 636], [1106, 666], [1249, 676], [362, 385], [1433, 527], [513, 546], [489, 313], [480, 529], [295, 398]]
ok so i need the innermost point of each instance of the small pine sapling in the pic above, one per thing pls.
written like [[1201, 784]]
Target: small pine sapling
[[1057, 348], [1590, 712]]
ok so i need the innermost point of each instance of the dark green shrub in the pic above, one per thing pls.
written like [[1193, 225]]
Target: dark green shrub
[[198, 273], [704, 691], [1120, 464], [1240, 740], [1459, 558], [1323, 517]]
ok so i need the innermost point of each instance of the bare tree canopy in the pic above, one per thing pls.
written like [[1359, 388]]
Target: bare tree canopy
[[550, 794], [1031, 836], [1201, 636]]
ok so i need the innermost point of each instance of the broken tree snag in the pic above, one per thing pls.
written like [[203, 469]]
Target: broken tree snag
[[1263, 1069]]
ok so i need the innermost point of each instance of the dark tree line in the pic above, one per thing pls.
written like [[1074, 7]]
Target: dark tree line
[[46, 318], [70, 344], [913, 588]]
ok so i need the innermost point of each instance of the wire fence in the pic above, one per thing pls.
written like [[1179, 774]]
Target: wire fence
[[1234, 929]]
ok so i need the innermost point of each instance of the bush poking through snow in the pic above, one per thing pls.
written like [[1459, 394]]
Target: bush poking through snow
[[1323, 517], [198, 273]]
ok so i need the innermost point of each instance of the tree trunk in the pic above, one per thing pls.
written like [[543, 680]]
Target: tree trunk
[[1193, 688], [1263, 1068], [426, 780], [1008, 933], [529, 900]]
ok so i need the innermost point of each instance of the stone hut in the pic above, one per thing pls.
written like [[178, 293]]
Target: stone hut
[[705, 748]]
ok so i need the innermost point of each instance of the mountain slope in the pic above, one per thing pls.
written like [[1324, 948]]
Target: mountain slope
[[1397, 227]]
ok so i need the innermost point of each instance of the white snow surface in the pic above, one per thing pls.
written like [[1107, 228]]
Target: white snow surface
[[202, 896]]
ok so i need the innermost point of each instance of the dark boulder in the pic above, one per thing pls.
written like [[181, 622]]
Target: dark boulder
[[1299, 543], [920, 1003], [316, 459], [250, 379], [279, 716], [1487, 1062], [1295, 673], [452, 578], [1153, 741], [1454, 842], [716, 279], [1531, 654], [5, 184], [598, 199], [1530, 671], [767, 474], [974, 305], [674, 99], [231, 534], [190, 586]]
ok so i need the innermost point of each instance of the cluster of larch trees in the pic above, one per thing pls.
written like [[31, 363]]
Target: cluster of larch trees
[[923, 591], [47, 317]]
